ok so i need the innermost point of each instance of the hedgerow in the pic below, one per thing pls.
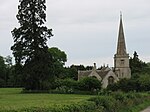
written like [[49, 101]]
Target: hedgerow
[[112, 102], [84, 106]]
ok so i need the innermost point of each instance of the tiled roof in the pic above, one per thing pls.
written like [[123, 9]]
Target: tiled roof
[[102, 73]]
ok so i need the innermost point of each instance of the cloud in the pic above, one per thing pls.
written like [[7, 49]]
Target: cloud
[[90, 27], [86, 30]]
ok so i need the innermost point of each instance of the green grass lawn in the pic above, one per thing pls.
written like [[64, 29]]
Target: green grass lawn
[[12, 98]]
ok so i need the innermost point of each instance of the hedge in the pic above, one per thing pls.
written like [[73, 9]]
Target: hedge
[[114, 102]]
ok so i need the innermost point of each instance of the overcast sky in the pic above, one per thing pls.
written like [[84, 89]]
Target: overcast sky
[[87, 30]]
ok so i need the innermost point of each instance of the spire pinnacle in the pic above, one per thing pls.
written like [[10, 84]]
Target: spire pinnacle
[[120, 15], [121, 47]]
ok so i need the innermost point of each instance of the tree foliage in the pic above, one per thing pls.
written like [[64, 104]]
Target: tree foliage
[[2, 71], [81, 67], [6, 72], [136, 64], [141, 83], [58, 61], [58, 56], [30, 45], [89, 84]]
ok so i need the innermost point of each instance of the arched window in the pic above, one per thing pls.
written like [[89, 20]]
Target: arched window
[[94, 77], [110, 80]]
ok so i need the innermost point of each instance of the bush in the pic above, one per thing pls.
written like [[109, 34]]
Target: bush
[[64, 82], [120, 96], [89, 84], [85, 106], [104, 92], [64, 86], [113, 87], [140, 83], [63, 90], [70, 83], [107, 102], [144, 82]]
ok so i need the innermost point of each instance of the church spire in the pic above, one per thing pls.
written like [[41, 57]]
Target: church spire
[[121, 47], [121, 58]]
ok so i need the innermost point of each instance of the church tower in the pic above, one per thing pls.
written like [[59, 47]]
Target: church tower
[[121, 58]]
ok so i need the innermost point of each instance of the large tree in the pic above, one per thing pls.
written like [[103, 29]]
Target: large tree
[[58, 56], [137, 65], [30, 45], [58, 59]]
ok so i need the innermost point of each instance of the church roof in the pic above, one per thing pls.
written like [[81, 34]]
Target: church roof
[[102, 73], [121, 47], [84, 73]]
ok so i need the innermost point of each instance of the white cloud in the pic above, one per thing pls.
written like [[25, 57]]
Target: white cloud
[[86, 29]]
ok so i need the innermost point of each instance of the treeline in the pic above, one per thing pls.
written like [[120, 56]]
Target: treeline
[[66, 77], [11, 76], [8, 77]]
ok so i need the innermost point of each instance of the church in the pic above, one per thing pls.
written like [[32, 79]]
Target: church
[[121, 67]]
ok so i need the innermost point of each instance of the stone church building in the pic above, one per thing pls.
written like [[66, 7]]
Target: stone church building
[[121, 64]]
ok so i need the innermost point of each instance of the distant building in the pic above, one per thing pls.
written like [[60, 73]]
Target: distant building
[[121, 64], [105, 74], [121, 58]]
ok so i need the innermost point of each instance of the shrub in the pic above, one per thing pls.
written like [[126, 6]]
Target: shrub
[[107, 102], [120, 96], [63, 90], [113, 87], [144, 82], [89, 84], [125, 85], [70, 83], [64, 86], [85, 106], [138, 83], [104, 92], [65, 82]]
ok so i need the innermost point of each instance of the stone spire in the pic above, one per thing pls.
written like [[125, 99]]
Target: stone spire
[[121, 47], [121, 58]]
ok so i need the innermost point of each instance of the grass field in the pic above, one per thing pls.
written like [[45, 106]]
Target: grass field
[[12, 98]]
